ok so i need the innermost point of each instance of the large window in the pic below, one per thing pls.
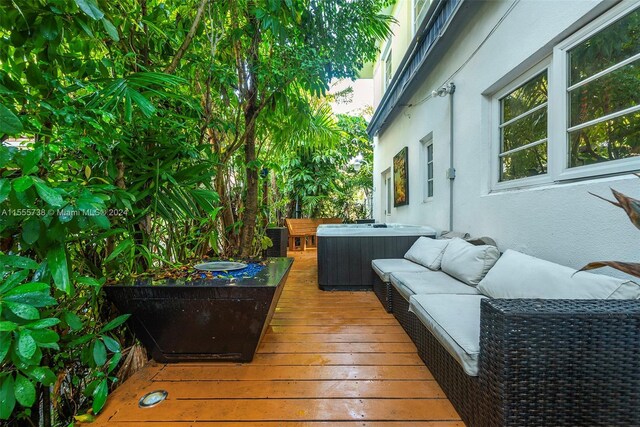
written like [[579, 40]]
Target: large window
[[523, 130], [604, 94], [577, 114]]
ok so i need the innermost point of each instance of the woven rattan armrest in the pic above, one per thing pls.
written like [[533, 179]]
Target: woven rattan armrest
[[560, 362]]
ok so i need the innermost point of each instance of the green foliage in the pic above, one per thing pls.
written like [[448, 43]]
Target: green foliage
[[324, 182], [610, 93], [38, 333], [114, 181], [144, 144]]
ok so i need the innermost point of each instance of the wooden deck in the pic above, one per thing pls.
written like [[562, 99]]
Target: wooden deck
[[329, 359]]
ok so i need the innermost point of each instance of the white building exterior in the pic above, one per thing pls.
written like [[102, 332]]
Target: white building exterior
[[488, 50]]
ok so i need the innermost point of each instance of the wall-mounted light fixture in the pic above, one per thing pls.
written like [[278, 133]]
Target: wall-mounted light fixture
[[357, 162], [444, 90]]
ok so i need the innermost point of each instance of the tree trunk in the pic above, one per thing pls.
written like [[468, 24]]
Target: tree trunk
[[227, 217], [188, 39], [250, 213], [249, 83], [265, 201]]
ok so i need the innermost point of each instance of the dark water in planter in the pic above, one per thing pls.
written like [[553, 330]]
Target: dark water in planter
[[254, 273]]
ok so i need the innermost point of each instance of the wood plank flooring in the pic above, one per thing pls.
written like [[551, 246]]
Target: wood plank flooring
[[329, 359]]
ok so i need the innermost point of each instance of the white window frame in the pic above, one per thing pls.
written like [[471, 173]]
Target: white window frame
[[558, 169], [560, 62], [387, 193], [495, 128], [427, 142], [387, 55], [422, 13]]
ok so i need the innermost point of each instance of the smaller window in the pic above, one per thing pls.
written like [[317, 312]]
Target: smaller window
[[388, 192], [388, 69], [427, 168], [523, 130], [419, 9]]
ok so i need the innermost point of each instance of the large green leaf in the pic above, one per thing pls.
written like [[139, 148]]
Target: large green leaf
[[31, 231], [114, 323], [43, 323], [22, 184], [84, 26], [48, 194], [43, 374], [10, 124], [99, 353], [122, 246], [100, 396], [143, 103], [113, 363], [26, 345], [6, 326], [31, 160], [35, 294], [112, 345], [24, 311], [73, 320], [110, 29], [24, 391], [5, 345], [18, 262], [5, 189], [7, 397], [57, 260], [101, 221], [90, 7], [49, 28], [14, 280], [43, 337]]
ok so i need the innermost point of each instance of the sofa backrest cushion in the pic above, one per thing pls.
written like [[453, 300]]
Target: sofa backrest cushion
[[517, 275], [427, 252], [468, 263]]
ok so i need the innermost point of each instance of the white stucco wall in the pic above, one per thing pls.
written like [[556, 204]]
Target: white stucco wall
[[560, 222]]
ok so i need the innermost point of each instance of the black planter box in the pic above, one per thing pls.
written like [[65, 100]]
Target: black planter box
[[203, 320]]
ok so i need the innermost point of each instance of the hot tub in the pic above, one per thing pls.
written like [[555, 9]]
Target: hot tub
[[345, 251]]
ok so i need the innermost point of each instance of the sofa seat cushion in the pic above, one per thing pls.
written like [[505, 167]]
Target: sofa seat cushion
[[429, 282], [383, 267], [468, 263], [517, 275], [427, 252], [454, 320]]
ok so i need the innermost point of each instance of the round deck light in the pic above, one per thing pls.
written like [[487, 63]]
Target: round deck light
[[152, 398]]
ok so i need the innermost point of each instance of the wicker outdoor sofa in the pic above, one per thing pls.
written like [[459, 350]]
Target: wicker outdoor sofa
[[541, 362]]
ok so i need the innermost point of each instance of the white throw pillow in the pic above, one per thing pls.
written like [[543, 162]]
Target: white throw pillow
[[517, 275], [427, 252], [468, 263]]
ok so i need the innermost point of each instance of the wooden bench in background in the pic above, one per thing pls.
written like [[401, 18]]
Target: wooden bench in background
[[301, 229]]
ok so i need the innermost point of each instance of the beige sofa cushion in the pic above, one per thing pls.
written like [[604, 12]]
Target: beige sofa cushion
[[384, 267], [517, 275], [468, 263], [454, 320], [427, 252], [429, 282]]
